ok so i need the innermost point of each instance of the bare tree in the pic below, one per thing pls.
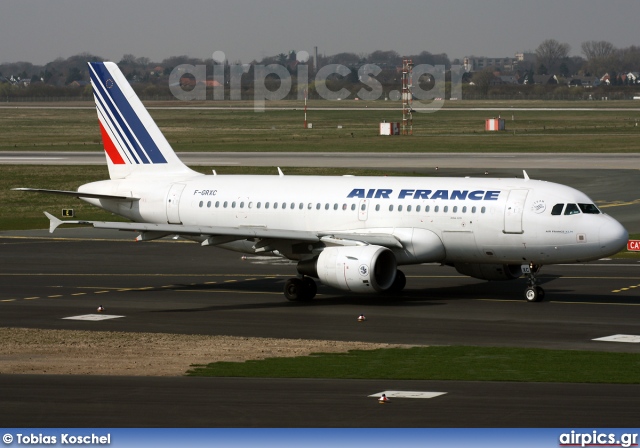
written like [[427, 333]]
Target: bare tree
[[601, 55], [629, 58], [552, 53], [597, 49]]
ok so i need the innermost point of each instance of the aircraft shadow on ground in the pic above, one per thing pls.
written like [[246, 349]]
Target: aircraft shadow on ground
[[410, 297]]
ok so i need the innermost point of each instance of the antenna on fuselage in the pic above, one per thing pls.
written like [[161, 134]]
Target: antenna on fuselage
[[526, 176], [280, 173]]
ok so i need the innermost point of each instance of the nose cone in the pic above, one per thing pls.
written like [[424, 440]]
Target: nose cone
[[613, 237]]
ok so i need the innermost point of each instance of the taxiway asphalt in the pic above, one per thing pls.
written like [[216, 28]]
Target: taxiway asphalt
[[179, 287]]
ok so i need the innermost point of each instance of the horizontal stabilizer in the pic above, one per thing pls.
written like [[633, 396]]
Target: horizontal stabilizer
[[78, 194], [54, 222]]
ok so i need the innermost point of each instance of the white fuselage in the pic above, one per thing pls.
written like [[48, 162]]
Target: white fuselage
[[449, 220]]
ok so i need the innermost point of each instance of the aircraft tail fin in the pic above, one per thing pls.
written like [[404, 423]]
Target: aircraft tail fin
[[133, 143]]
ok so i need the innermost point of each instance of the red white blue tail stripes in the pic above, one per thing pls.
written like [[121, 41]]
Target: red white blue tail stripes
[[130, 140]]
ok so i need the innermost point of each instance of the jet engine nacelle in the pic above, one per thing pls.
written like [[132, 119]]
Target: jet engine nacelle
[[489, 271], [353, 268]]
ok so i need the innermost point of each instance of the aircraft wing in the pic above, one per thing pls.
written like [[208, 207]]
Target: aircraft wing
[[154, 231]]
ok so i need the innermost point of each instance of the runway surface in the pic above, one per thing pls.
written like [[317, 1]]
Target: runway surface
[[180, 287], [395, 160]]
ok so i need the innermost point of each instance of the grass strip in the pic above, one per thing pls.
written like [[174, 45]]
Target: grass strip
[[458, 363]]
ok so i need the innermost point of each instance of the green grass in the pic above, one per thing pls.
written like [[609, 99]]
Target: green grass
[[447, 130], [443, 363]]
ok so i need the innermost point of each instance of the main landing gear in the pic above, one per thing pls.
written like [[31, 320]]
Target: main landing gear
[[534, 292], [300, 289]]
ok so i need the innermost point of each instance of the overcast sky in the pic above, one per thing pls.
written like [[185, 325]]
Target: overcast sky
[[39, 31]]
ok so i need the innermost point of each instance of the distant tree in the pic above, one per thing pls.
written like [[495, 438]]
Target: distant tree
[[629, 58], [601, 56], [575, 64], [47, 75], [482, 80], [75, 74], [597, 49], [348, 59], [142, 62], [564, 70], [390, 58], [127, 59], [542, 70], [432, 59], [528, 78], [551, 53]]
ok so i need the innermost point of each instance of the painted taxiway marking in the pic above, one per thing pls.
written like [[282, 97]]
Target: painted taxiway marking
[[407, 394], [230, 291], [626, 289], [619, 204], [93, 317], [32, 158], [621, 338]]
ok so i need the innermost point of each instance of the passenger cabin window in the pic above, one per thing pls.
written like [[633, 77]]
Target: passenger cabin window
[[557, 209], [572, 209], [590, 209]]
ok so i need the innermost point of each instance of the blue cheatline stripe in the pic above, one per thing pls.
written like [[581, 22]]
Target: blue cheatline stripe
[[121, 141], [127, 138], [147, 145]]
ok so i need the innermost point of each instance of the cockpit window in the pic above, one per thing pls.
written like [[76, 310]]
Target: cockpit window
[[590, 209], [557, 209], [572, 209]]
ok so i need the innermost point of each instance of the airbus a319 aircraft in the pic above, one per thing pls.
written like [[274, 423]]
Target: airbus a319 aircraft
[[349, 232]]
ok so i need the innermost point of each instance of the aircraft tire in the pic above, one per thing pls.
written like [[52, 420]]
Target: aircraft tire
[[309, 289], [533, 294], [294, 289], [399, 282]]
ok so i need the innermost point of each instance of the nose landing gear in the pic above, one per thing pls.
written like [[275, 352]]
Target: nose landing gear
[[534, 292]]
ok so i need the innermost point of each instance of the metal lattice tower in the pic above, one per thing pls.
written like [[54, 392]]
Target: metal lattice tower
[[407, 97]]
